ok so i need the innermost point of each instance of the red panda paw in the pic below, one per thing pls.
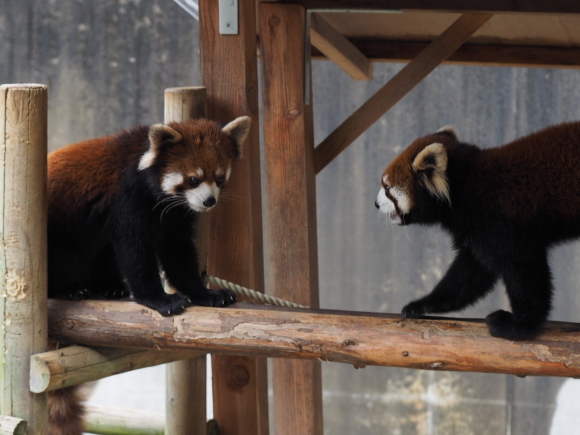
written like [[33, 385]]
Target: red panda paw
[[413, 310], [504, 324], [213, 298], [165, 304]]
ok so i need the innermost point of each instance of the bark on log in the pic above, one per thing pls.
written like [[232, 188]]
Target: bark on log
[[359, 339]]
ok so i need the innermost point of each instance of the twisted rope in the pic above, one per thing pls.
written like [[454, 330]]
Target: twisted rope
[[250, 294]]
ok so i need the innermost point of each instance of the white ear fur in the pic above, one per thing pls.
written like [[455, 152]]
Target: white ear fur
[[448, 129], [238, 130], [158, 133], [431, 163]]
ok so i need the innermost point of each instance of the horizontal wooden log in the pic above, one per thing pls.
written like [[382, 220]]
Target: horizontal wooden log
[[359, 339], [106, 420], [75, 365], [12, 425], [528, 56]]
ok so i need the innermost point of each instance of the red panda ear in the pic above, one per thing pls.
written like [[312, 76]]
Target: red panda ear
[[238, 130], [449, 131], [431, 164], [158, 133]]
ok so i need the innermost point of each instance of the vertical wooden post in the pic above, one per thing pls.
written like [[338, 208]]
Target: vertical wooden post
[[186, 380], [229, 71], [23, 276], [291, 203]]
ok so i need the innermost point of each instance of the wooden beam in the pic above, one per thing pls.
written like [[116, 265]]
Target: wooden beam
[[398, 87], [353, 338], [12, 426], [291, 212], [229, 71], [527, 56], [101, 419], [23, 137], [186, 395], [490, 6], [338, 49], [75, 365]]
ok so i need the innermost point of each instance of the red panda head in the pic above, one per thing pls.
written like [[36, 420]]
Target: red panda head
[[193, 159], [415, 178]]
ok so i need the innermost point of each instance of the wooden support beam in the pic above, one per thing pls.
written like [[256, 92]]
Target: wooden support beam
[[107, 420], [398, 87], [291, 212], [553, 6], [75, 365], [338, 49], [353, 338], [185, 401], [527, 56], [23, 275], [229, 70]]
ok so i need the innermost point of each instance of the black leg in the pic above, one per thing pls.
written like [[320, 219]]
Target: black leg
[[465, 282], [529, 288]]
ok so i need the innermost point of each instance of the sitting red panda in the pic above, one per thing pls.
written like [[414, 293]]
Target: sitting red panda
[[504, 208], [122, 209]]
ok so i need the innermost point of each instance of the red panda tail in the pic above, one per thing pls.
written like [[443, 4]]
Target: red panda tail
[[65, 411]]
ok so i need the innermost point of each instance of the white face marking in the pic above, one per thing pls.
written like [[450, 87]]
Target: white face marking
[[387, 206], [146, 160], [196, 197], [385, 179], [219, 172], [171, 181], [199, 172], [228, 172]]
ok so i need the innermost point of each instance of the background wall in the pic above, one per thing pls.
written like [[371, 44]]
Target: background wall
[[107, 63]]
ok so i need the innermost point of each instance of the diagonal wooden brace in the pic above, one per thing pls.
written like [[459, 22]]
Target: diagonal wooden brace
[[396, 88]]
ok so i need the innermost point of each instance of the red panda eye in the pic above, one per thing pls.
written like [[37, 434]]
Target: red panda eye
[[219, 181], [194, 182], [386, 188]]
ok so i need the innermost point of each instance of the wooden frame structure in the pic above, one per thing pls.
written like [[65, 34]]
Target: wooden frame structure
[[241, 337]]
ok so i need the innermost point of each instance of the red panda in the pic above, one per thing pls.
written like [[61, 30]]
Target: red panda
[[503, 207], [122, 210]]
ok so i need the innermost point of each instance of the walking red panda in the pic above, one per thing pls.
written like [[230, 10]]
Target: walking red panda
[[504, 208], [122, 209]]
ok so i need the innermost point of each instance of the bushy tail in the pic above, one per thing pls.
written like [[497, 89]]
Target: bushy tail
[[65, 411]]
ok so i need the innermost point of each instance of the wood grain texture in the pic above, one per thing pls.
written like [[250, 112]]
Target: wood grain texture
[[338, 49], [185, 401], [23, 123], [229, 71], [359, 339], [117, 421], [75, 365], [396, 88], [527, 56], [291, 203]]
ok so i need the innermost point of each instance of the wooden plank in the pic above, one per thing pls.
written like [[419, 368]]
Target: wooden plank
[[471, 54], [23, 137], [291, 212], [397, 87], [353, 338], [75, 365], [553, 6], [12, 426], [338, 49], [185, 401], [229, 71]]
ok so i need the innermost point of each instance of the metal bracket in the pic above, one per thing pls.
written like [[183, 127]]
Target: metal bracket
[[228, 14]]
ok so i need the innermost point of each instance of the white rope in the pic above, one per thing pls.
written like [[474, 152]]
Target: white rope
[[250, 294]]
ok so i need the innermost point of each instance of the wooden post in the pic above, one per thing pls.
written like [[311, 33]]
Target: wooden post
[[229, 71], [23, 136], [186, 408], [291, 203]]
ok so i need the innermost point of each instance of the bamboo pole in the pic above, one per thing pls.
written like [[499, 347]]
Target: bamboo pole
[[12, 426], [359, 339], [396, 88], [75, 365], [23, 136], [185, 405]]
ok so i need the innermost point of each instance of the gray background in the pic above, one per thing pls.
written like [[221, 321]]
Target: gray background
[[106, 64]]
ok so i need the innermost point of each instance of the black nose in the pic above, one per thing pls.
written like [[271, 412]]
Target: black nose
[[377, 204], [210, 202]]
